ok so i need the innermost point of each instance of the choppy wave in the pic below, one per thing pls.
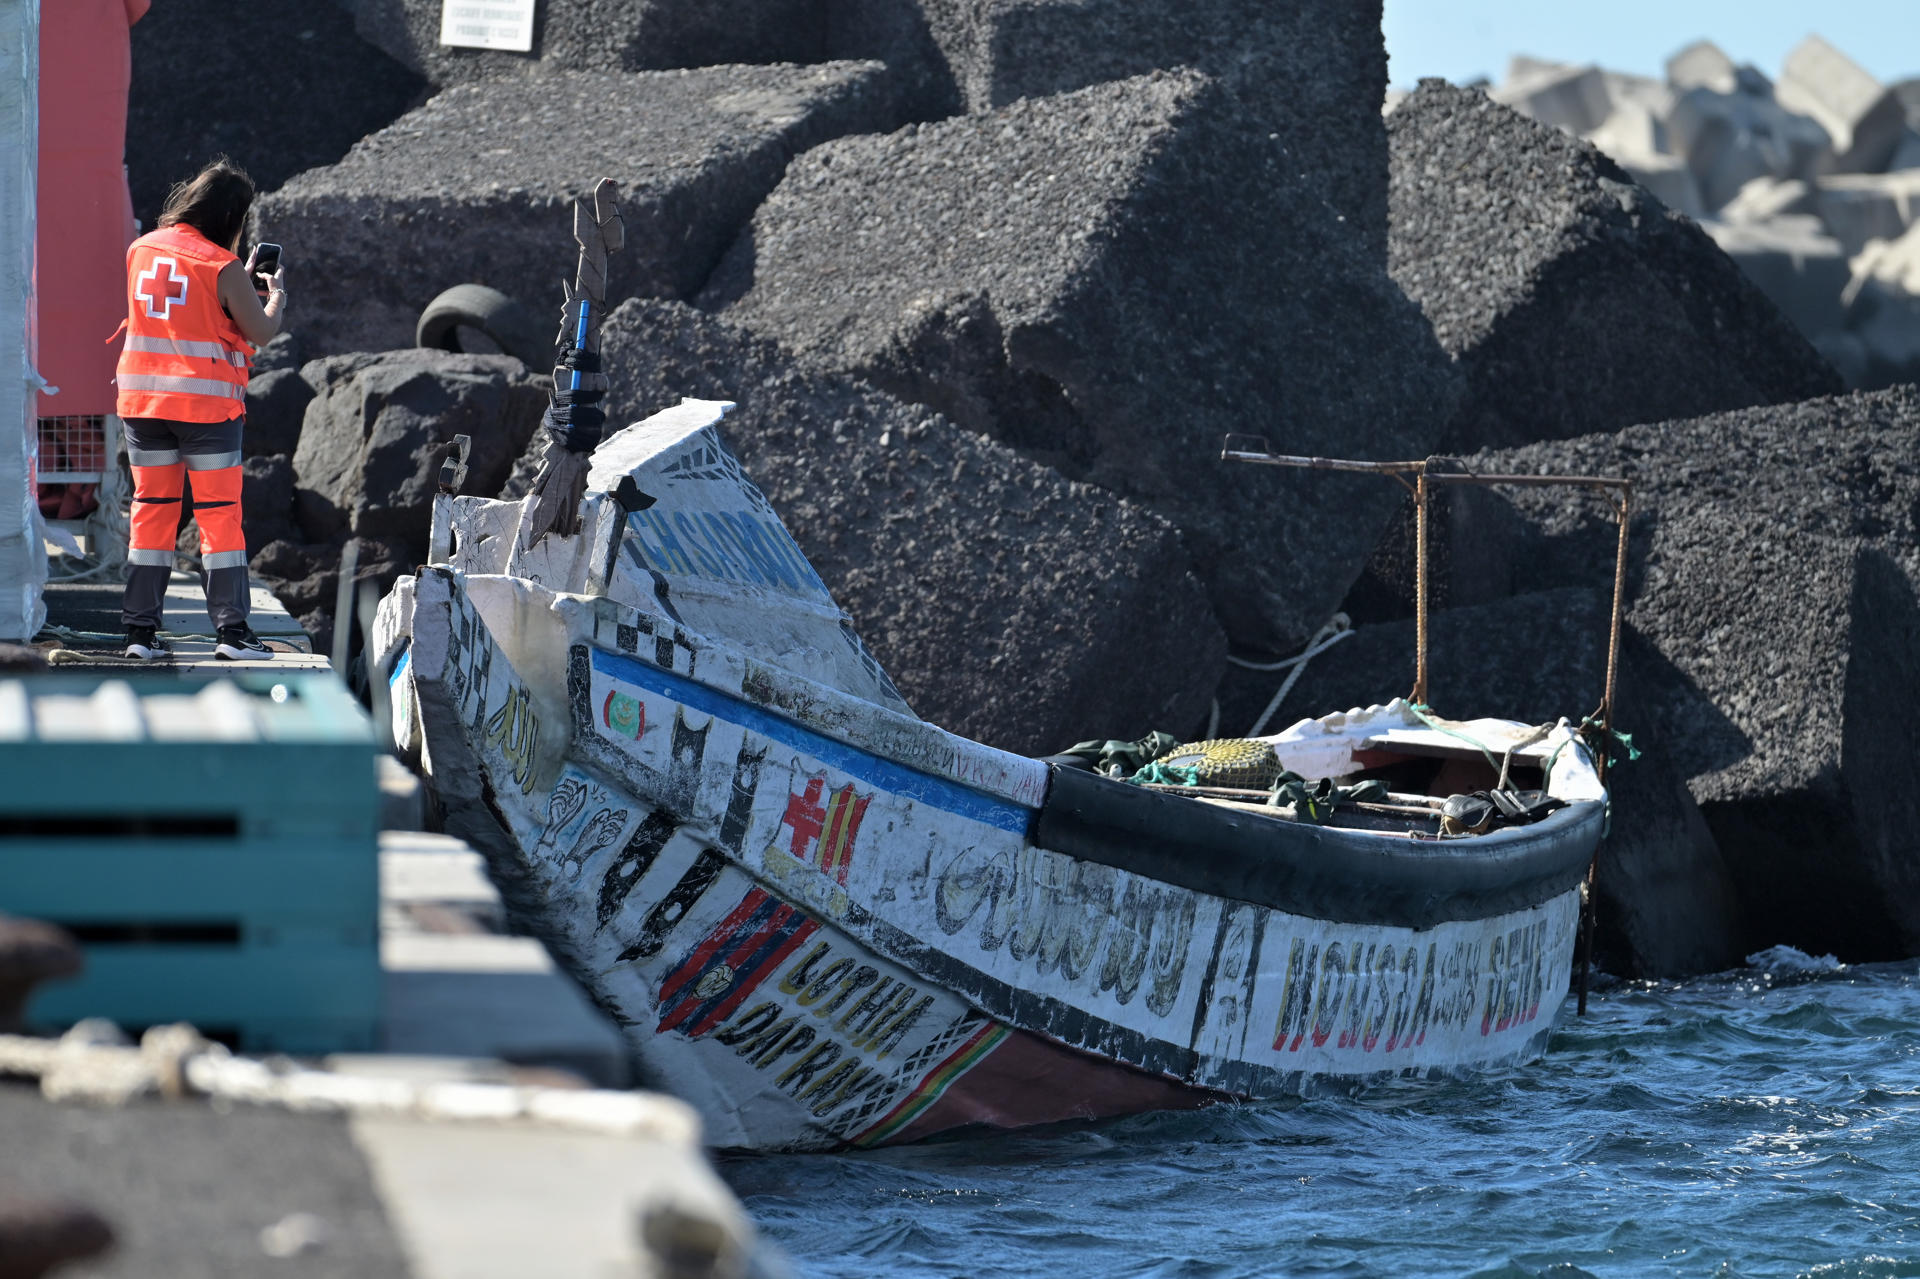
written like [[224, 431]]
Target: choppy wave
[[1759, 1122]]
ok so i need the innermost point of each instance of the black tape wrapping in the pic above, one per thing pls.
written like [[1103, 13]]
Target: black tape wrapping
[[574, 419], [578, 359]]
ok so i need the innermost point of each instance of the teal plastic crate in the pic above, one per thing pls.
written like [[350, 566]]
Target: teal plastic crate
[[214, 848]]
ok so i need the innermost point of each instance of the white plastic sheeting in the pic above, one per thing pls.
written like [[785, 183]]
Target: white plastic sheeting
[[23, 557]]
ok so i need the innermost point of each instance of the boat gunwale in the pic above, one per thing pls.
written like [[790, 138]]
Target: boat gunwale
[[1321, 872]]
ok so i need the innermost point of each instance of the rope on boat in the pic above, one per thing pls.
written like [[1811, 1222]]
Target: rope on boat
[[1338, 627]]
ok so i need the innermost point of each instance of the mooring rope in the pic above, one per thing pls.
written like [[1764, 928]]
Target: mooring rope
[[1338, 627]]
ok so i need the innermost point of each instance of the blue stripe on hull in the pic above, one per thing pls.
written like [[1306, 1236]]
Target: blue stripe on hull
[[921, 788]]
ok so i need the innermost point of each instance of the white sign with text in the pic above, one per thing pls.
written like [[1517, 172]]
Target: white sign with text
[[488, 24]]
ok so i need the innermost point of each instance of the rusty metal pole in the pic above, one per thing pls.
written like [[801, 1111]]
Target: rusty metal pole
[[1420, 588], [1623, 508]]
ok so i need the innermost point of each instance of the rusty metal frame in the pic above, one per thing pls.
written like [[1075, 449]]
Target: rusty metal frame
[[1431, 471]]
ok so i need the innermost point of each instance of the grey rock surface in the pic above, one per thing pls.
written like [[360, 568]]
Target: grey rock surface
[[1550, 275], [1791, 259], [276, 404], [1475, 555], [1008, 604], [380, 425], [1773, 568], [1312, 73], [1111, 281], [266, 499], [1668, 906], [604, 35], [284, 352], [278, 85], [476, 187]]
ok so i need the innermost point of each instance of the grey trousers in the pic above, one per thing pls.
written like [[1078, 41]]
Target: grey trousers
[[195, 445]]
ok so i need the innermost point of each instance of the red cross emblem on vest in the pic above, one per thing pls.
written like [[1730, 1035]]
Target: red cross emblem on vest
[[161, 288]]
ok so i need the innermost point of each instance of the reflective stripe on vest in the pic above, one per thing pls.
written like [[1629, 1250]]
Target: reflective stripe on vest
[[180, 385], [185, 350]]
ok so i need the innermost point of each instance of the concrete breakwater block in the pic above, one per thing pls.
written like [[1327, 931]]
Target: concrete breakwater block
[[279, 85], [1783, 592], [1864, 120], [1730, 138], [1314, 73], [1008, 604], [603, 35], [1861, 207], [1668, 907], [1801, 269], [1546, 271], [476, 187], [1111, 281]]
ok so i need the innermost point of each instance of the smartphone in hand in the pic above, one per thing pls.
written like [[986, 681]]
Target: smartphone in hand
[[266, 260]]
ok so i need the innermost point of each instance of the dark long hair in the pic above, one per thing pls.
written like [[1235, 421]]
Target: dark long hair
[[214, 202]]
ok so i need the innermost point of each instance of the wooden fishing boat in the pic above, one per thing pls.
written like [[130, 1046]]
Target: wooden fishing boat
[[827, 922]]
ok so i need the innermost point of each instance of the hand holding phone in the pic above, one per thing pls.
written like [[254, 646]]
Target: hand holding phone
[[263, 264]]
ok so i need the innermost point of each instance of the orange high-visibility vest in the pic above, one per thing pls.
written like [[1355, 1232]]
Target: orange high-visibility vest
[[184, 357]]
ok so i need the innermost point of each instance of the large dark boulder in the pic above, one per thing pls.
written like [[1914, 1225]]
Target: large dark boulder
[[266, 500], [1008, 604], [1773, 569], [1575, 301], [278, 85], [1111, 281], [604, 35], [1313, 72], [380, 425], [476, 187], [1667, 904], [276, 405]]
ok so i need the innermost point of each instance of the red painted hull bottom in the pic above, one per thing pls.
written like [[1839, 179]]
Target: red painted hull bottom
[[1025, 1080]]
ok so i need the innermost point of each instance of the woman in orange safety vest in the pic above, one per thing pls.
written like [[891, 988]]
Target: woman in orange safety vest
[[193, 321]]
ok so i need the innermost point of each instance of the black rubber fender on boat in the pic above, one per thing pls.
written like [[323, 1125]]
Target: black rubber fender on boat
[[1322, 872]]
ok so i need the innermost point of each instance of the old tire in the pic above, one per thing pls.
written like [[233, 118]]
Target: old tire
[[476, 309]]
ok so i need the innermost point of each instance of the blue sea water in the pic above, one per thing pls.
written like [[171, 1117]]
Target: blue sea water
[[1761, 1122]]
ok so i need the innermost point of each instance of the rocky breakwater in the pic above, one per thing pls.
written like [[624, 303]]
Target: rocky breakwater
[[1774, 563], [375, 429], [280, 87], [1009, 604], [1110, 281], [1573, 300], [985, 363], [477, 185], [1810, 181]]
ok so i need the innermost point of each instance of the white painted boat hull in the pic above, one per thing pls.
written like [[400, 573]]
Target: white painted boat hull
[[825, 922]]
